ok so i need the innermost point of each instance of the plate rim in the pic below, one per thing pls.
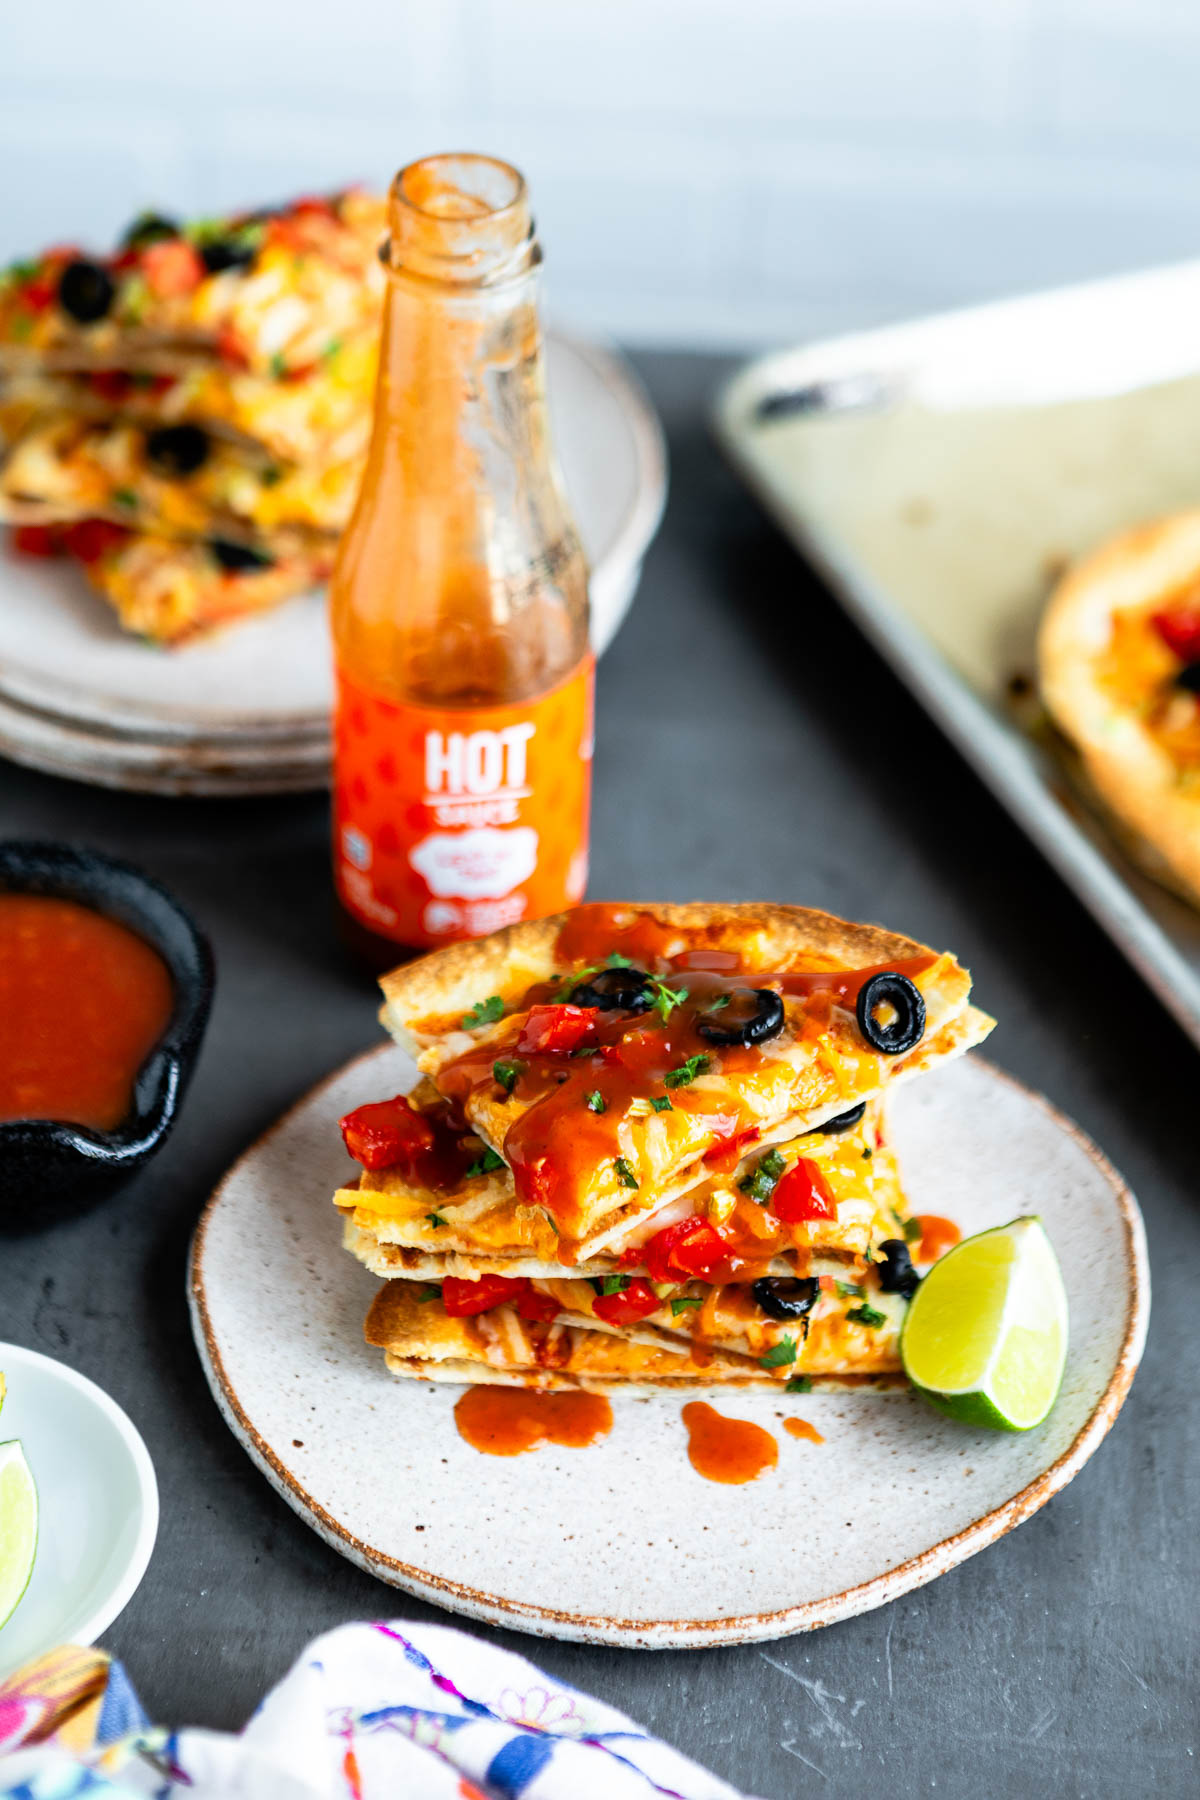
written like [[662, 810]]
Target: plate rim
[[106, 1612], [684, 1634]]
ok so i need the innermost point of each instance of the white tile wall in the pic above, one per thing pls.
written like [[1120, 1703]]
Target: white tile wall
[[704, 171]]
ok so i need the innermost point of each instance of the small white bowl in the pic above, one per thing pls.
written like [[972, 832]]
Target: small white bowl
[[98, 1505]]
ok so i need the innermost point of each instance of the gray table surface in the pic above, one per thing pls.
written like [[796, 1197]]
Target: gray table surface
[[750, 746]]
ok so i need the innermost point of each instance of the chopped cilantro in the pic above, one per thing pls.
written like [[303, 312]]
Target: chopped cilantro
[[551, 1221], [783, 1353], [625, 1174], [799, 1384], [686, 1072], [866, 1155], [431, 1291], [331, 349], [595, 1101], [867, 1315], [125, 497], [617, 961], [683, 1302], [850, 1290], [763, 1179], [912, 1230], [278, 366], [484, 1012], [661, 1103], [483, 1165], [506, 1073], [614, 1284], [270, 476], [666, 999], [436, 1220], [22, 271], [583, 1050]]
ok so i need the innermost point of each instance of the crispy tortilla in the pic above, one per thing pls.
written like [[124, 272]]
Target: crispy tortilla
[[172, 591], [64, 466], [484, 1223], [314, 280], [419, 1339]]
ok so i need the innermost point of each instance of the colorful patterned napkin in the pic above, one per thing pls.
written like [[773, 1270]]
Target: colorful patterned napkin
[[370, 1712]]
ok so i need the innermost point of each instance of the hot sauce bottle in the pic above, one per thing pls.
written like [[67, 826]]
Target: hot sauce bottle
[[463, 716]]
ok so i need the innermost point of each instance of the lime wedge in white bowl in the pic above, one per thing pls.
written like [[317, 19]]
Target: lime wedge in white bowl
[[97, 1507], [18, 1527], [985, 1339]]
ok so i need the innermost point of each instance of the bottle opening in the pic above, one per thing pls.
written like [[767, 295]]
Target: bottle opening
[[460, 218]]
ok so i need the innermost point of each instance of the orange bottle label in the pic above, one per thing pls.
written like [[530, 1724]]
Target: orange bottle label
[[449, 823]]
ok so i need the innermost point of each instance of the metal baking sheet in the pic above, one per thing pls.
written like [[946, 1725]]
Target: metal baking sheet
[[940, 474]]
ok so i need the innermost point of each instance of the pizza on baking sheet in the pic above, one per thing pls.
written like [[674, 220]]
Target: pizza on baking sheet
[[1119, 669], [661, 1126]]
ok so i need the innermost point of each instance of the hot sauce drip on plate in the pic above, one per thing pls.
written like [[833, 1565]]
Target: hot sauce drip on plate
[[503, 1421], [728, 1450], [937, 1236], [800, 1428], [83, 1001], [578, 1069]]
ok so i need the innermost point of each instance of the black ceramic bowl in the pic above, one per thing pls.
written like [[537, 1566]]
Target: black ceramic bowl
[[49, 1170]]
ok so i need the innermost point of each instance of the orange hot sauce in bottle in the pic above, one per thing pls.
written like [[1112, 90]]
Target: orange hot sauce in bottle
[[463, 718]]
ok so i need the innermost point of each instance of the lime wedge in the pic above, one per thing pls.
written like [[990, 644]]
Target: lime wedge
[[18, 1527], [985, 1339]]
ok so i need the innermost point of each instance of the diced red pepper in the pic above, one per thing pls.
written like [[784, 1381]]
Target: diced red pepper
[[463, 1299], [539, 1308], [386, 1134], [693, 1247], [37, 540], [632, 1303], [558, 1029], [111, 384], [314, 203], [802, 1192], [172, 266], [1179, 629], [90, 539], [38, 294], [725, 1152]]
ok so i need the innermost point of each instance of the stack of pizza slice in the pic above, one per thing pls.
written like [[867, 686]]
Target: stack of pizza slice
[[188, 417], [648, 1147]]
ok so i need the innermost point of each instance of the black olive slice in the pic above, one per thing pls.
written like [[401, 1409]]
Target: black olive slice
[[752, 1016], [614, 990], [783, 1297], [177, 449], [149, 228], [896, 1273], [906, 1028], [238, 557], [1189, 677], [227, 253], [85, 291], [840, 1121]]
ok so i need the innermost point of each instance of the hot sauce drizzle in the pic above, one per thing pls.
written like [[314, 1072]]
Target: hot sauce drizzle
[[800, 1428], [503, 1421], [727, 1450], [84, 1001], [937, 1236], [625, 1056]]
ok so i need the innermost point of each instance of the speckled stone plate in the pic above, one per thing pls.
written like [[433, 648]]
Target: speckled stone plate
[[624, 1543]]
